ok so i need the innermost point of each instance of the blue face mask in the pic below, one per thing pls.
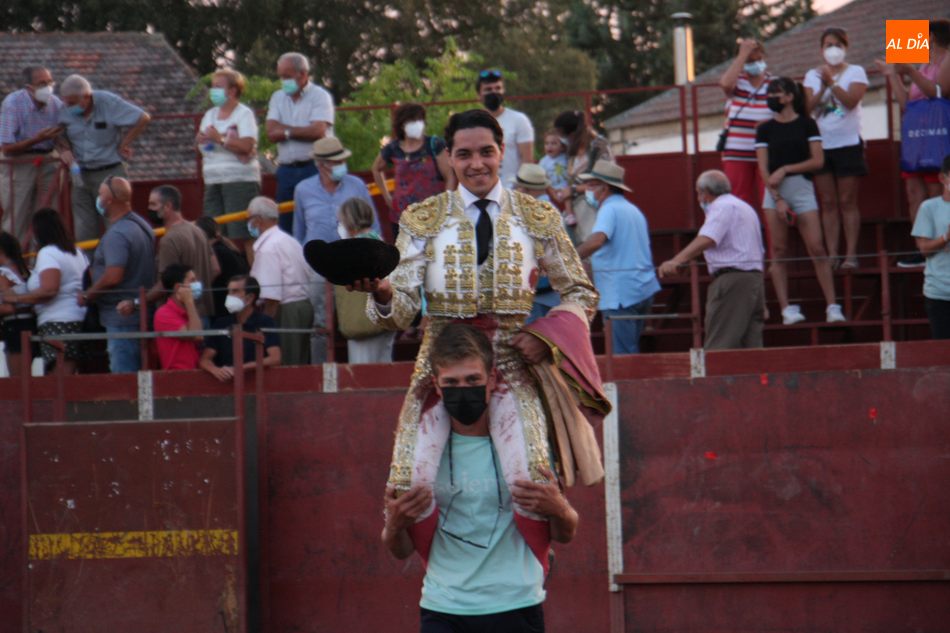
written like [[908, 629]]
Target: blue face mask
[[253, 230], [754, 69], [100, 209], [196, 289], [289, 86], [590, 198], [76, 110], [217, 96], [338, 172]]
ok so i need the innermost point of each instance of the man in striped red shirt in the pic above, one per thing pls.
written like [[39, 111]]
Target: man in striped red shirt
[[745, 83]]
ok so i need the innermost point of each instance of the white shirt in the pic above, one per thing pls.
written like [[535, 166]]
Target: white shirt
[[471, 212], [518, 129], [221, 166], [280, 267], [62, 308], [839, 126], [314, 104]]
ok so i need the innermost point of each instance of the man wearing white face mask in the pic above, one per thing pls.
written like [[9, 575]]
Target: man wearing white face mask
[[28, 124], [745, 83], [298, 114], [218, 356], [318, 198]]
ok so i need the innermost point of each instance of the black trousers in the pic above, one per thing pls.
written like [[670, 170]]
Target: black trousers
[[938, 312], [526, 620]]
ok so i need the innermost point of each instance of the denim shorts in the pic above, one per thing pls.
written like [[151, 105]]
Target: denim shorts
[[797, 191]]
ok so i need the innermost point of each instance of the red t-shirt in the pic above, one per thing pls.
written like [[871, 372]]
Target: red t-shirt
[[174, 353]]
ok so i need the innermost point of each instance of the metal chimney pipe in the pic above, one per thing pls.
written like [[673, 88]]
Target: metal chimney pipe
[[683, 48]]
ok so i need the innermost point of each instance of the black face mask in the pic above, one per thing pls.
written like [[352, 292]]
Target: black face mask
[[465, 404], [155, 218], [774, 103], [493, 100]]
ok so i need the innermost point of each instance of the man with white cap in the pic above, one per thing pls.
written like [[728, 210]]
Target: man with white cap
[[319, 197], [622, 263]]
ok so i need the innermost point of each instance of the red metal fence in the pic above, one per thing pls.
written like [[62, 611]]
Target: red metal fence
[[807, 481]]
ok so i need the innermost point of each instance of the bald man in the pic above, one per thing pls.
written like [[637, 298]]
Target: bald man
[[123, 262]]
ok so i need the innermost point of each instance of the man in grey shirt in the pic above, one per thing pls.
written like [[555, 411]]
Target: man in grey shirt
[[100, 128], [123, 262]]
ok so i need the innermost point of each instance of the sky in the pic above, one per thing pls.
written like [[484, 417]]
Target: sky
[[824, 6]]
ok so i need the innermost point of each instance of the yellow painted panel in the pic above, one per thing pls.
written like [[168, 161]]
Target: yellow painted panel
[[144, 544]]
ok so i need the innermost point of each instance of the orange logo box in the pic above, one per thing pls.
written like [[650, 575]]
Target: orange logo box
[[907, 41]]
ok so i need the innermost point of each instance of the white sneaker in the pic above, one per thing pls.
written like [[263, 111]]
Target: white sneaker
[[791, 315], [833, 314]]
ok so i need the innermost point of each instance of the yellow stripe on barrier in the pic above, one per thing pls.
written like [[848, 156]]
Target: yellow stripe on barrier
[[145, 544], [237, 216]]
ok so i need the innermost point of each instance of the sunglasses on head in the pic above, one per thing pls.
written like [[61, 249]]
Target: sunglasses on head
[[108, 183], [490, 74]]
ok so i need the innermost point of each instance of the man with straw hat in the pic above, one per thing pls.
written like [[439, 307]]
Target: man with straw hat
[[619, 248]]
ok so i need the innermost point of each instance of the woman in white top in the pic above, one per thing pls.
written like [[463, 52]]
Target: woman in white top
[[833, 94], [15, 318], [54, 285], [227, 139]]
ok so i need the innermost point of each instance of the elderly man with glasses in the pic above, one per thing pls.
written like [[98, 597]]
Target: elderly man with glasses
[[29, 123]]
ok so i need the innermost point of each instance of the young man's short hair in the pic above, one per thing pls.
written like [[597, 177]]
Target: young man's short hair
[[251, 285], [458, 342], [473, 119], [174, 274]]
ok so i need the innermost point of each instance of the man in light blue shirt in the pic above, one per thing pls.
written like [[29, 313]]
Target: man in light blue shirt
[[318, 198], [482, 575], [100, 128], [932, 232], [619, 248]]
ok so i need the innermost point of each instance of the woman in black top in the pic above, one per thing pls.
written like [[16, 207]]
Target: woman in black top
[[788, 150]]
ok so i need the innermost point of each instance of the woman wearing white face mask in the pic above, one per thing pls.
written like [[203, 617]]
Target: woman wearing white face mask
[[421, 162], [745, 83], [227, 140], [833, 94], [365, 341]]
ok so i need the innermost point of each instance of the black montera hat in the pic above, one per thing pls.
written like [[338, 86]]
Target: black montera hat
[[344, 261]]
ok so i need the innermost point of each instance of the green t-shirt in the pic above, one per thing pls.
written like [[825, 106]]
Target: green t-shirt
[[932, 221], [479, 562]]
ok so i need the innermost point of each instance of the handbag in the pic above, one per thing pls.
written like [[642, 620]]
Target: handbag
[[925, 134], [724, 134], [351, 315]]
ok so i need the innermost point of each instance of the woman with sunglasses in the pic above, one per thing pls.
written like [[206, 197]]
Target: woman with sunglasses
[[788, 150]]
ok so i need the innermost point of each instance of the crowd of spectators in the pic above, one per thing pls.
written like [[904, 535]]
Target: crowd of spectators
[[782, 144]]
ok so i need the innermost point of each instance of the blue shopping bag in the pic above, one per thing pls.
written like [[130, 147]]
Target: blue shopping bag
[[925, 134]]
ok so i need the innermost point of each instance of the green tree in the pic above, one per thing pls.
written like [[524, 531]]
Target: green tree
[[448, 77], [631, 40]]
